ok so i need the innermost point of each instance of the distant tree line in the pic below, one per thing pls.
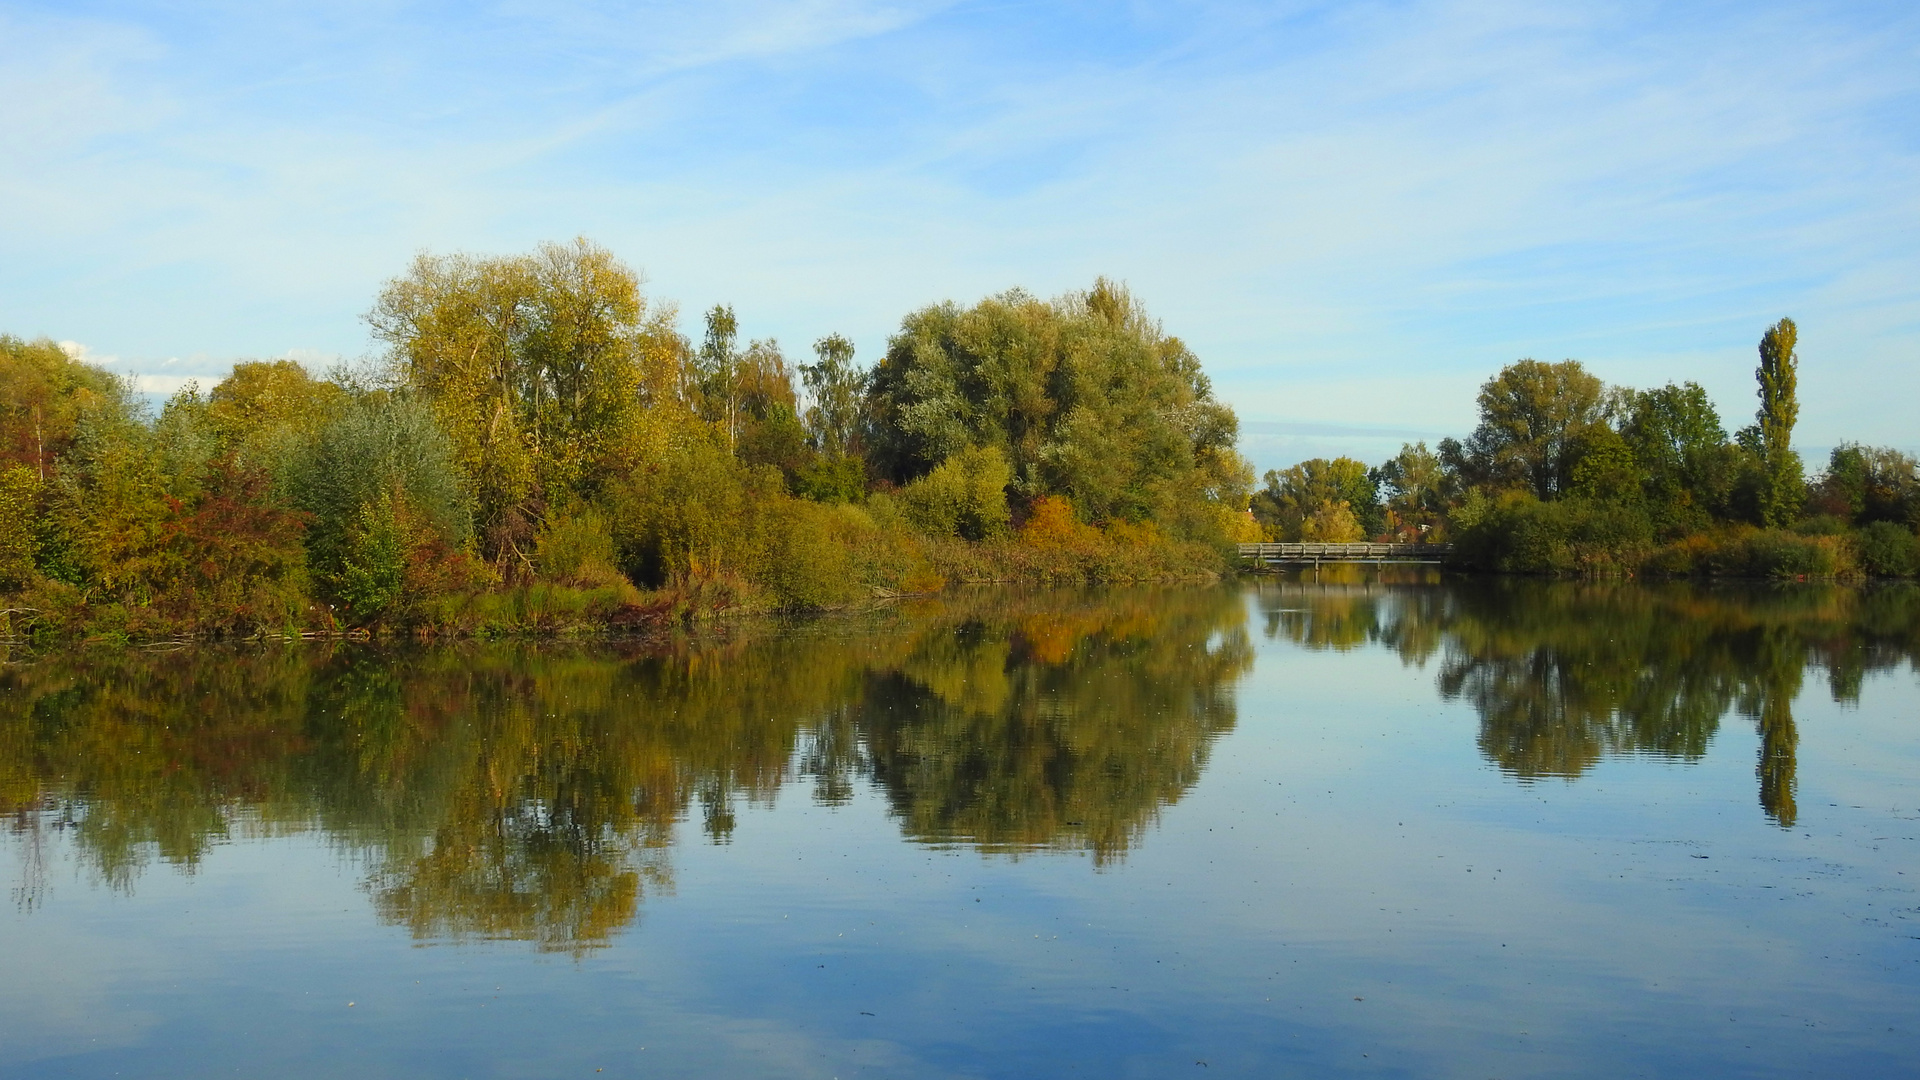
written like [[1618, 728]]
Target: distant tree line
[[1565, 474], [540, 446]]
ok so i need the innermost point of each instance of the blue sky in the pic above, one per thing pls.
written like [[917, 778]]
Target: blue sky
[[1354, 213]]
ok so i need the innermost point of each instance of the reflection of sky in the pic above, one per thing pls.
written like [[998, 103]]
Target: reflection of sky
[[1354, 214], [1348, 878]]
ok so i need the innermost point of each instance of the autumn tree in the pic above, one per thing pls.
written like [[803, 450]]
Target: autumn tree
[[1413, 486], [1533, 416], [262, 397], [44, 396], [1318, 499]]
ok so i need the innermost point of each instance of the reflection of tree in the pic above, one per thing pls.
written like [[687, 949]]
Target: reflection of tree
[[1068, 730], [533, 794], [1563, 674], [1353, 606], [1778, 659]]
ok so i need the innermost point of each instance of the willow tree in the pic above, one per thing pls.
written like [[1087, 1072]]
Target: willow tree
[[538, 367], [1086, 397]]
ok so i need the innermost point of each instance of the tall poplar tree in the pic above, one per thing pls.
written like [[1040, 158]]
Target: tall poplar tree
[[1783, 483]]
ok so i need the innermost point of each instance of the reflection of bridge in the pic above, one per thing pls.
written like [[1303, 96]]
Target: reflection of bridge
[[1315, 554]]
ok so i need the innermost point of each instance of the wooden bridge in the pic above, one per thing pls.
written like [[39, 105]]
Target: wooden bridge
[[1315, 554]]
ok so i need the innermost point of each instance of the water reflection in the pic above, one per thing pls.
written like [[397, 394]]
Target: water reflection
[[533, 794], [1564, 674]]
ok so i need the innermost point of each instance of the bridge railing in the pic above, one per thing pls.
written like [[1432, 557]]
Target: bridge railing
[[1362, 552]]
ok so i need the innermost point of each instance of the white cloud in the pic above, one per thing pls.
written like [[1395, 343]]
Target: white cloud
[[77, 351]]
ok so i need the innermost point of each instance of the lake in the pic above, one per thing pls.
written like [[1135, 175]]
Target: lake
[[1373, 824]]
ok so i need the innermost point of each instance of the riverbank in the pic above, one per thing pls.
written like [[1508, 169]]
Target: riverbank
[[1570, 538], [873, 566]]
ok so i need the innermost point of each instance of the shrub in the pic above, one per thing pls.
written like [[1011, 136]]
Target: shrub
[[1887, 550], [1780, 554], [577, 548], [1521, 535], [1821, 525], [1052, 525], [690, 516], [832, 479], [241, 563], [379, 482], [965, 496]]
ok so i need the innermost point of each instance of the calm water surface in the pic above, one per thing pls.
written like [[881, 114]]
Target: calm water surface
[[1328, 828]]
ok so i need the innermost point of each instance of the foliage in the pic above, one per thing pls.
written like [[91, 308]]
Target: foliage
[[578, 548], [1415, 487], [45, 396], [19, 508], [242, 566], [1680, 450], [533, 366], [1084, 397], [540, 437], [385, 504], [835, 388], [1520, 534], [1564, 475], [1866, 484], [1888, 550], [963, 496], [1534, 417], [1331, 500], [264, 399], [1778, 485]]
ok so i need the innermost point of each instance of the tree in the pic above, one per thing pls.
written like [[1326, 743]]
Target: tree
[[1864, 484], [533, 366], [766, 413], [719, 372], [1681, 450], [380, 488], [1086, 397], [835, 387], [1532, 418], [44, 396], [263, 397], [1296, 497], [1780, 486], [1413, 483]]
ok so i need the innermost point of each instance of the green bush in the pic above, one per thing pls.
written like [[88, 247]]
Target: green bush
[[832, 480], [966, 496], [577, 548], [690, 515], [377, 480], [1821, 525], [373, 562], [1887, 550], [1521, 535]]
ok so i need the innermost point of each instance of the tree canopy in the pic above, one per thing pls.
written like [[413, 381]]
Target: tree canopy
[[1086, 396]]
